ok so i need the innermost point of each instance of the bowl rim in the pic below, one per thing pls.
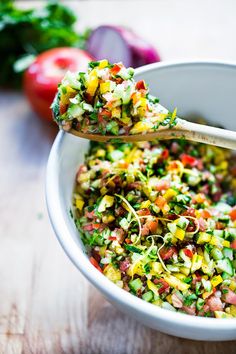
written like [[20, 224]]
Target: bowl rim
[[79, 257]]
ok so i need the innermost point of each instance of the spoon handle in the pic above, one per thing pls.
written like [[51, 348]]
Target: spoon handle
[[206, 134]]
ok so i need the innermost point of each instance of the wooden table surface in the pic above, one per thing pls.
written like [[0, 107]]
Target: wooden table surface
[[46, 306]]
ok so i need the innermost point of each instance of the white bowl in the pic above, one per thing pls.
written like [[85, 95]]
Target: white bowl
[[203, 88]]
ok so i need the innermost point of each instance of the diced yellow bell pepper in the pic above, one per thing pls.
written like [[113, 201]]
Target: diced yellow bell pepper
[[169, 194], [145, 204], [222, 314], [232, 285], [233, 310], [206, 294], [184, 270], [169, 298], [103, 64], [176, 283], [203, 237], [101, 153], [152, 287], [226, 243], [216, 241], [179, 233], [216, 280], [106, 202], [103, 190], [112, 273], [105, 87], [141, 127], [116, 112], [92, 83], [180, 276], [107, 219], [156, 268], [79, 203]]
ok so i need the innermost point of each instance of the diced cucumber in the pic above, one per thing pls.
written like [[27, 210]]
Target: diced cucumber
[[167, 306], [172, 268], [228, 253], [218, 233], [200, 303], [207, 285], [116, 155], [172, 227], [224, 265], [225, 276], [216, 254], [203, 237], [135, 284], [75, 111], [124, 224], [147, 296], [196, 262], [182, 222]]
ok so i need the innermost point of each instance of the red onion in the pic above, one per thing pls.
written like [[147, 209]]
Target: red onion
[[117, 43]]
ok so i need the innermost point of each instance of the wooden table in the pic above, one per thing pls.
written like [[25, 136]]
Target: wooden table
[[46, 306]]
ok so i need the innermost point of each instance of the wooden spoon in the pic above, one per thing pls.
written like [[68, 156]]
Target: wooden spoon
[[183, 129]]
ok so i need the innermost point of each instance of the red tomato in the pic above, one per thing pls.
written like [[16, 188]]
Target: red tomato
[[43, 75], [140, 85], [188, 160], [95, 264], [232, 214], [188, 253], [167, 252], [233, 244]]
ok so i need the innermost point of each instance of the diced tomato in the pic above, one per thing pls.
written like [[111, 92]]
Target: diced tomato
[[167, 252], [190, 212], [143, 212], [188, 253], [127, 240], [219, 225], [62, 108], [88, 227], [124, 265], [161, 185], [188, 160], [233, 244], [202, 224], [112, 238], [96, 226], [103, 114], [160, 201], [95, 264], [165, 154], [165, 286], [140, 85], [205, 214], [152, 225], [232, 214], [115, 69]]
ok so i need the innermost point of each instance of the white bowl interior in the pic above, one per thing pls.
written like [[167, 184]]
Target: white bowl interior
[[205, 89]]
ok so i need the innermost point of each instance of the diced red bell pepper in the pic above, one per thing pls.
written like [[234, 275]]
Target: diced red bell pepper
[[95, 264]]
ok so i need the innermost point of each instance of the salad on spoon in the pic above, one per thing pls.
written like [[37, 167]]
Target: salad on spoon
[[106, 103]]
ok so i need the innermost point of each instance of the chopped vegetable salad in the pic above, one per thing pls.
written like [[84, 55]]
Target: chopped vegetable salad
[[106, 100], [159, 220]]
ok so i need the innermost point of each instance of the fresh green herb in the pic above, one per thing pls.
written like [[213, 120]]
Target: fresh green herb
[[26, 33]]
